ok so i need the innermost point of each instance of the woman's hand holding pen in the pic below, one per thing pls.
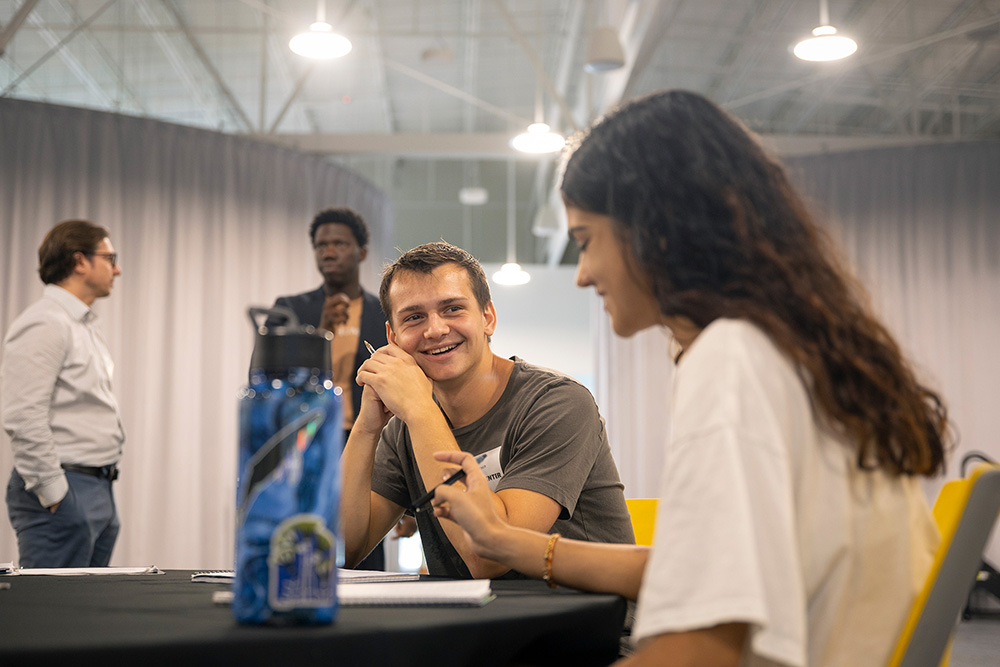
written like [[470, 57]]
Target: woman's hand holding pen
[[469, 503]]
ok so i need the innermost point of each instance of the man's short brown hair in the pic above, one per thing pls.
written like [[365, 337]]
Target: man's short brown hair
[[57, 254], [427, 257]]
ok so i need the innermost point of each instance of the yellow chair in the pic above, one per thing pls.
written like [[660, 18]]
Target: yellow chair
[[643, 513], [965, 512]]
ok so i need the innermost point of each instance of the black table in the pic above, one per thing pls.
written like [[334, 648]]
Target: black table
[[170, 620]]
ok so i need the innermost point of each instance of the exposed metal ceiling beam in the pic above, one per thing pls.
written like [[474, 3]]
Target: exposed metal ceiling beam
[[234, 106], [265, 24], [301, 81], [355, 32], [179, 63], [743, 59], [83, 73], [269, 11], [454, 92], [555, 243], [644, 25], [990, 79], [55, 49], [470, 60], [381, 79], [12, 27], [74, 65], [496, 146], [959, 61], [472, 17], [871, 101], [537, 64], [459, 145], [890, 52], [283, 79], [908, 97]]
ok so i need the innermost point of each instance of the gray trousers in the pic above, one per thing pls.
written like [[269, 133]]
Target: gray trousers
[[81, 532]]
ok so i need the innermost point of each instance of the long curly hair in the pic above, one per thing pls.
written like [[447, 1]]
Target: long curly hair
[[714, 224]]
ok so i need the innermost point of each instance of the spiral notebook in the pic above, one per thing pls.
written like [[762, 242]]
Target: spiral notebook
[[345, 576], [468, 593], [464, 593]]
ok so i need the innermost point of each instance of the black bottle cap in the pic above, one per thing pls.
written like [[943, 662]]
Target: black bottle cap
[[282, 343]]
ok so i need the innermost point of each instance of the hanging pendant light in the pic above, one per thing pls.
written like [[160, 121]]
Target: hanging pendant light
[[825, 44], [320, 43], [539, 138], [511, 273], [604, 52]]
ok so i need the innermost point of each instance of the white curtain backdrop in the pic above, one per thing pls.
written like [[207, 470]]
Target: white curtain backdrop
[[205, 225], [208, 224], [921, 226]]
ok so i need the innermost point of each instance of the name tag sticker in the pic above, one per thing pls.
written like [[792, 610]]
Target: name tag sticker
[[489, 463]]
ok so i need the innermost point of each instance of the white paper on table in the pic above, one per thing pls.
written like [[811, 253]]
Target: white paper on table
[[72, 571]]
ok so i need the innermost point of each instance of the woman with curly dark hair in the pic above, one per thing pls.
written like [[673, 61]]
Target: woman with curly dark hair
[[791, 527]]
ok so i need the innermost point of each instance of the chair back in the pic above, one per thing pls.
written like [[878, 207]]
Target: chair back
[[965, 512], [643, 513]]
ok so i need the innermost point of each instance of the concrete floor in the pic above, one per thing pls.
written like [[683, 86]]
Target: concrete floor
[[977, 643]]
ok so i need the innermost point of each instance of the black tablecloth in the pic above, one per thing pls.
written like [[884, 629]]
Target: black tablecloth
[[170, 620]]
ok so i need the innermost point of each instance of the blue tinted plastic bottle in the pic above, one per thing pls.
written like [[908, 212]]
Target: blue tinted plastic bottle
[[288, 494]]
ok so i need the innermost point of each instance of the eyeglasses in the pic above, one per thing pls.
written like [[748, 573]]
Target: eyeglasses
[[112, 257]]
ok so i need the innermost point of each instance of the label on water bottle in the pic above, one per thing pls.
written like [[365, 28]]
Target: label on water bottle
[[301, 563]]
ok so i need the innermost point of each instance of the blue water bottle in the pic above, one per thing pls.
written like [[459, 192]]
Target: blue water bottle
[[288, 493]]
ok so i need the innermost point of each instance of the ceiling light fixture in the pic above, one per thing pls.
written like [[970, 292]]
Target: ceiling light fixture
[[473, 195], [604, 51], [825, 44], [539, 138], [511, 273], [321, 42]]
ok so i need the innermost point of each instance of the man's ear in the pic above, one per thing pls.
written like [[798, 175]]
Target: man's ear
[[363, 253], [82, 262], [490, 313], [389, 335]]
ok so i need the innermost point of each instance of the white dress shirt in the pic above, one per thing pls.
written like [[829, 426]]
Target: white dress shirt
[[56, 402]]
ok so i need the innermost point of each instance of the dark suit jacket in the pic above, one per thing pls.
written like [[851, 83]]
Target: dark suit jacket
[[308, 306]]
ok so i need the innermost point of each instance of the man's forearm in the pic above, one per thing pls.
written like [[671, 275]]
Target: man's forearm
[[431, 434], [35, 458], [356, 465]]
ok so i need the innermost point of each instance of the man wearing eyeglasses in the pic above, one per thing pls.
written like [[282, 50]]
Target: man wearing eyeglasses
[[57, 406]]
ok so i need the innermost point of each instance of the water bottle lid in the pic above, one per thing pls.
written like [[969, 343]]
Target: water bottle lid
[[282, 343]]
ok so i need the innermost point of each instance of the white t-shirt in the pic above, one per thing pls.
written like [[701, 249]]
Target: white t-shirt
[[766, 519]]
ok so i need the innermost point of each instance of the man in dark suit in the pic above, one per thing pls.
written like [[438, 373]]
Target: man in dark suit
[[340, 242]]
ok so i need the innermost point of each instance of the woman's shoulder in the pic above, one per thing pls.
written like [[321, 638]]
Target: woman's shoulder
[[737, 355], [727, 338]]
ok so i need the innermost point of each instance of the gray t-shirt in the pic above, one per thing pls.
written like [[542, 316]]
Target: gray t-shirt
[[546, 435]]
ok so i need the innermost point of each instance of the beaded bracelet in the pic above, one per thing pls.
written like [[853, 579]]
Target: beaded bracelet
[[547, 572]]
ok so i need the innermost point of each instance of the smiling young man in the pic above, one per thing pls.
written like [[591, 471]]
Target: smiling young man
[[536, 433], [58, 407]]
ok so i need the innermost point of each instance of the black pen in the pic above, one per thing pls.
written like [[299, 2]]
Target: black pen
[[427, 497]]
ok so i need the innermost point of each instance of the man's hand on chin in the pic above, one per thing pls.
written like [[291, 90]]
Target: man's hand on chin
[[334, 313], [399, 381]]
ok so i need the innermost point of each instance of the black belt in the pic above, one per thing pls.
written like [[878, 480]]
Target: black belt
[[109, 473]]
